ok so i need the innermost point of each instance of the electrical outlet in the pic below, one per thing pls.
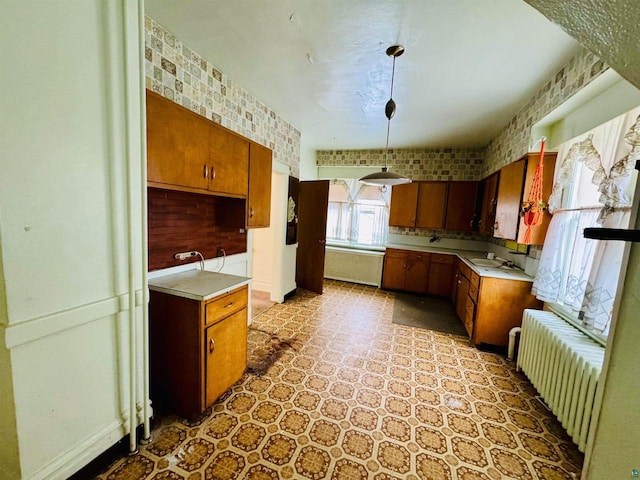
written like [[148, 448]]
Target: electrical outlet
[[185, 255], [220, 252]]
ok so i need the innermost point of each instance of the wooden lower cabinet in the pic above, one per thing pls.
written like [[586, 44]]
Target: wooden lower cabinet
[[489, 307], [418, 272], [405, 270], [197, 349], [440, 274], [226, 351]]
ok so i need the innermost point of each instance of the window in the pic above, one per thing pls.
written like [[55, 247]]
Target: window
[[593, 187], [358, 214]]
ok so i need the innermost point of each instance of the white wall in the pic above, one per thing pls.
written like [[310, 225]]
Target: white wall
[[308, 168], [613, 451], [73, 96]]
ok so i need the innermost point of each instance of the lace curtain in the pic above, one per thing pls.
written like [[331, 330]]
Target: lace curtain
[[593, 188], [357, 213]]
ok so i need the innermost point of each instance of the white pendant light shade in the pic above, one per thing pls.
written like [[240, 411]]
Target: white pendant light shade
[[384, 177]]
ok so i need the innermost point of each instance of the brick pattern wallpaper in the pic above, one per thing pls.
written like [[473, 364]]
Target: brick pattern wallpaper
[[182, 221], [417, 164], [515, 139], [178, 73]]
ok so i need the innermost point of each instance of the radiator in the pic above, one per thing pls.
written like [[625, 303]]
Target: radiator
[[563, 365], [350, 265]]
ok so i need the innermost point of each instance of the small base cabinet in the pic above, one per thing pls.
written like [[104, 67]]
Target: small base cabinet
[[405, 270], [489, 307], [197, 349], [417, 272]]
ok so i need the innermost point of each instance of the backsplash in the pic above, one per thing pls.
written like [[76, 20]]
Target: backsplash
[[182, 221], [514, 140], [178, 73], [416, 163]]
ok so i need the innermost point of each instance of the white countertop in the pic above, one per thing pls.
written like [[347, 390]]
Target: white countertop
[[465, 256], [197, 284]]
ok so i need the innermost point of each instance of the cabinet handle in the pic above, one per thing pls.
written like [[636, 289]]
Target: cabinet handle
[[495, 226], [479, 223], [206, 171], [213, 172], [459, 282], [251, 212], [471, 223], [212, 345], [228, 304]]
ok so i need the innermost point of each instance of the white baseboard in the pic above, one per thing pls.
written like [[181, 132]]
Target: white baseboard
[[260, 285]]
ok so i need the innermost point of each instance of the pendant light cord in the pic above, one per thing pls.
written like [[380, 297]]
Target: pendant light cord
[[386, 148]]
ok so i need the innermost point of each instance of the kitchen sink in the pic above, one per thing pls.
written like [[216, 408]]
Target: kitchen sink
[[485, 262]]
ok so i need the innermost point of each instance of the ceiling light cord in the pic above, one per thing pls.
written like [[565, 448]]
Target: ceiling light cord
[[390, 110], [385, 177]]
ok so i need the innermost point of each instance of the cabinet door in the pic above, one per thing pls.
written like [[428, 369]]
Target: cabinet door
[[402, 211], [538, 233], [440, 279], [488, 209], [417, 273], [461, 206], [509, 198], [462, 293], [226, 354], [177, 145], [259, 201], [432, 201], [394, 271], [229, 162], [469, 316]]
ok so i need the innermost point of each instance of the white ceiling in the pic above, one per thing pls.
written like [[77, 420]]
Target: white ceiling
[[469, 65]]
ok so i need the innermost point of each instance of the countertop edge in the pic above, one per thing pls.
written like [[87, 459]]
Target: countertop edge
[[516, 275], [218, 283]]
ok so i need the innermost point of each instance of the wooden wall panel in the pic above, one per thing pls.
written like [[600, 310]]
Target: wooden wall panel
[[181, 221]]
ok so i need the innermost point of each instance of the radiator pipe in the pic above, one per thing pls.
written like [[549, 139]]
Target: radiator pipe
[[146, 407], [512, 342]]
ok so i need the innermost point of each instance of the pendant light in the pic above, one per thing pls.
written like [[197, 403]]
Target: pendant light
[[385, 177]]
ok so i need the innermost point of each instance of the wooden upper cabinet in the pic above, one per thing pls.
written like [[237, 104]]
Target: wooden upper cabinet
[[514, 187], [187, 152], [229, 159], [488, 207], [509, 198], [432, 201], [434, 205], [539, 232], [461, 206], [404, 198], [259, 200], [177, 145]]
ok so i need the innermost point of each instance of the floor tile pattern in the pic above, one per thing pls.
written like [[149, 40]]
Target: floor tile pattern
[[335, 390]]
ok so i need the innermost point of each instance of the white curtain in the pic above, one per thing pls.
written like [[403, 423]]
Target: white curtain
[[593, 188]]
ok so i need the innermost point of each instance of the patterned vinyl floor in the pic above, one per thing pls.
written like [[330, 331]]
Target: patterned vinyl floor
[[335, 390]]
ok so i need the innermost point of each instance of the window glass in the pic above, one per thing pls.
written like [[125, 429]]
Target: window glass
[[358, 214]]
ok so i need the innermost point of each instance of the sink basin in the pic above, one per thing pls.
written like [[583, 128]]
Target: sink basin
[[485, 262]]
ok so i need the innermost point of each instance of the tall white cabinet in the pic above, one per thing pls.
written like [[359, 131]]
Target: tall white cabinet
[[72, 243]]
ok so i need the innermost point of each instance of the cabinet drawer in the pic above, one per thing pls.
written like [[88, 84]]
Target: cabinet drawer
[[418, 256], [475, 279], [442, 258], [464, 270], [473, 293], [393, 253], [225, 305]]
